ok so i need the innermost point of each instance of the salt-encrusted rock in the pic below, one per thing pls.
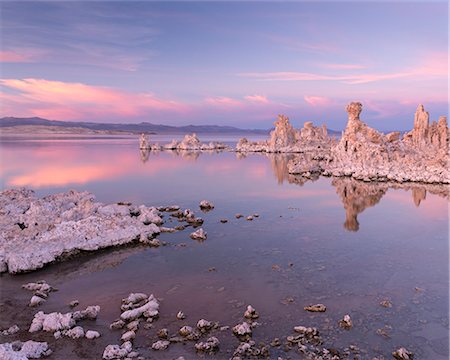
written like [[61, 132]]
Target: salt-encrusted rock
[[160, 345], [116, 352], [204, 325], [403, 354], [91, 334], [366, 154], [40, 286], [24, 350], [51, 322], [200, 234], [118, 324], [386, 303], [128, 336], [242, 330], [210, 345], [251, 313], [134, 325], [206, 205], [36, 301], [180, 315], [307, 331], [91, 313], [238, 216], [57, 335], [249, 218], [286, 139], [47, 229], [147, 307], [316, 308], [346, 322], [10, 331], [75, 333], [185, 331]]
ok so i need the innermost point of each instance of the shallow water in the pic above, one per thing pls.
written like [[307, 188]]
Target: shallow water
[[339, 242]]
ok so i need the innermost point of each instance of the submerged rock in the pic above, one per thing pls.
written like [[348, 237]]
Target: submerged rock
[[316, 308], [10, 331]]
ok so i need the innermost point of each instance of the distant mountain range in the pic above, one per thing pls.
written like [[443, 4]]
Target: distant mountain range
[[143, 127]]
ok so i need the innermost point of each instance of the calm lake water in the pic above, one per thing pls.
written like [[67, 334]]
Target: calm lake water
[[343, 243]]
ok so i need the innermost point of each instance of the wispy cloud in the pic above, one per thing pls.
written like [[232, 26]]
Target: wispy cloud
[[343, 66], [12, 56], [257, 99], [74, 101], [318, 100], [223, 101]]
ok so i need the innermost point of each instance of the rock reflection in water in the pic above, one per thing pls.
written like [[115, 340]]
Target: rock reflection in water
[[356, 195]]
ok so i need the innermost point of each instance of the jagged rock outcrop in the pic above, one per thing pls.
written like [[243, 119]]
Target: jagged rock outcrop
[[286, 139], [37, 231], [366, 154]]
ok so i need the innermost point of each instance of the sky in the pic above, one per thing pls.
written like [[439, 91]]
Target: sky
[[224, 63]]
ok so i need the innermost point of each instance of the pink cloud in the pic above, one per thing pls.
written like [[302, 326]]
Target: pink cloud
[[12, 56], [223, 101], [73, 101], [344, 66], [317, 100], [257, 99]]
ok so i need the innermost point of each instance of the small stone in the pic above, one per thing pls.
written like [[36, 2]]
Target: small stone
[[251, 313], [91, 334], [242, 329], [118, 324], [403, 354], [74, 303], [249, 218], [223, 221], [206, 205], [36, 301], [10, 331], [163, 333], [160, 345], [185, 331], [134, 325], [316, 308], [386, 303], [180, 315], [346, 322], [211, 345], [275, 342], [200, 234], [204, 325], [238, 216]]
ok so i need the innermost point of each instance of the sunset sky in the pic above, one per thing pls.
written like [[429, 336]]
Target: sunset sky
[[235, 63]]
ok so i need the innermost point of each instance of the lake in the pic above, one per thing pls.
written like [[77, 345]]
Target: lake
[[337, 241]]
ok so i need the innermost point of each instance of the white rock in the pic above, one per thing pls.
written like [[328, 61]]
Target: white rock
[[128, 336], [160, 345], [200, 234], [75, 333], [36, 301], [206, 205], [149, 309], [114, 352], [211, 344], [10, 331], [91, 334], [242, 329]]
